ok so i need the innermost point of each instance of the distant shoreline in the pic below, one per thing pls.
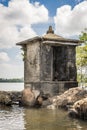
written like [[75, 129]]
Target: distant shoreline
[[14, 80]]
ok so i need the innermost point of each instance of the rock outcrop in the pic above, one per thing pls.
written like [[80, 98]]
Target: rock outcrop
[[68, 98], [74, 100]]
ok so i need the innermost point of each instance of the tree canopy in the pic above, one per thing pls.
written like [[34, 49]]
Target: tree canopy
[[81, 57], [82, 50]]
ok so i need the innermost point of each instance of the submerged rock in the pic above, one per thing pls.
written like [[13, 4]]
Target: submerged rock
[[73, 113], [79, 109]]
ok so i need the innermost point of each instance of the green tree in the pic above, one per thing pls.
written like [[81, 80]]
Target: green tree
[[81, 57]]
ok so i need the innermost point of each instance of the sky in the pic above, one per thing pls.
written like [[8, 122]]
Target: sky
[[23, 19]]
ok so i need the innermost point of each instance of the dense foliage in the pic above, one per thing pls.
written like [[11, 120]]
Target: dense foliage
[[81, 57]]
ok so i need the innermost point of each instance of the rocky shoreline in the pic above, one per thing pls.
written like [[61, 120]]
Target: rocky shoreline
[[9, 98], [74, 100]]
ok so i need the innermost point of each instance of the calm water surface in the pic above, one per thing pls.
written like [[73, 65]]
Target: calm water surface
[[18, 118], [11, 86]]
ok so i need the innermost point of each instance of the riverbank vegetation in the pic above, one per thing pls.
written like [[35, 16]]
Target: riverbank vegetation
[[11, 80]]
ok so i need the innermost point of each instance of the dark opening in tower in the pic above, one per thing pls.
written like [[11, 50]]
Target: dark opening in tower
[[59, 63]]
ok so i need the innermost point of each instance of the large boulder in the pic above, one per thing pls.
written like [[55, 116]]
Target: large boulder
[[79, 109], [28, 98], [34, 98], [5, 99]]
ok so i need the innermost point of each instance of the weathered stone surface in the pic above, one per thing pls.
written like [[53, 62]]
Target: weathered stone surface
[[68, 98], [79, 109], [32, 62], [15, 96], [38, 102], [71, 72], [46, 63], [50, 87], [43, 100], [5, 98], [28, 98], [36, 93], [10, 97], [46, 103]]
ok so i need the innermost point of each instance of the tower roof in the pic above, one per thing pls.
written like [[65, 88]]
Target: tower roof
[[51, 38]]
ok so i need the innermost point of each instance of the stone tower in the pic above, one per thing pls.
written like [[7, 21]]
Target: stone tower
[[50, 63]]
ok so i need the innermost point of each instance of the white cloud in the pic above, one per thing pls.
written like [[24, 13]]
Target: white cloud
[[11, 70], [70, 22], [4, 57], [16, 21], [26, 32]]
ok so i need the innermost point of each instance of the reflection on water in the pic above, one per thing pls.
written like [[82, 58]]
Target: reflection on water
[[17, 118], [44, 119]]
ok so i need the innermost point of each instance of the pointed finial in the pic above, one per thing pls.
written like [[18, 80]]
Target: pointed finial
[[50, 30]]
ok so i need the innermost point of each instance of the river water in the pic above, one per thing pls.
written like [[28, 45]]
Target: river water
[[19, 118]]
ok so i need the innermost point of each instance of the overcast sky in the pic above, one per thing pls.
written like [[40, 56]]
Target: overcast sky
[[23, 19]]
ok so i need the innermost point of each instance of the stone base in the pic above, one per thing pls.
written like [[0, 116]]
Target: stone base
[[51, 87]]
